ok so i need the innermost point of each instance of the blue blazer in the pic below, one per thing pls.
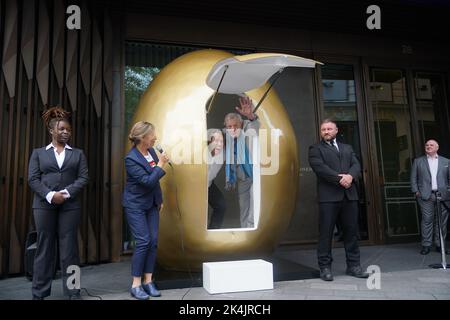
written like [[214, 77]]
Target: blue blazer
[[142, 189]]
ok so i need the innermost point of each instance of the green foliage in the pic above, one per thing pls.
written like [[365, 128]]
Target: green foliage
[[137, 80]]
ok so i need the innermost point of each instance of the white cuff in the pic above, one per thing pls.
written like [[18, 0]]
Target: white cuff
[[65, 193], [49, 196]]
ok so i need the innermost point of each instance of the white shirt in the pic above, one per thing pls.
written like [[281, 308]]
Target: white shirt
[[333, 143], [148, 157], [433, 163], [60, 160]]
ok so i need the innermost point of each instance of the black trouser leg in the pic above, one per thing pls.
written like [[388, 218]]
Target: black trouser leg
[[349, 222], [217, 202], [68, 222], [328, 212], [44, 260]]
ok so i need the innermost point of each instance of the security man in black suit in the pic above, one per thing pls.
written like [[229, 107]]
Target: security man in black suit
[[57, 173], [337, 170]]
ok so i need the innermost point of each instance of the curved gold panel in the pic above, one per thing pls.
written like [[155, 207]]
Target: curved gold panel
[[176, 102]]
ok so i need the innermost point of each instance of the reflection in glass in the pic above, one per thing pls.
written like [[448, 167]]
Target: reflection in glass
[[392, 125], [216, 199], [339, 98], [233, 173], [431, 110]]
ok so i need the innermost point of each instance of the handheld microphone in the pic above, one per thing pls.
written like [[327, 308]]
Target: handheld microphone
[[160, 150]]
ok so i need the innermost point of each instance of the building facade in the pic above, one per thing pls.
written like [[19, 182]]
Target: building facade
[[387, 89]]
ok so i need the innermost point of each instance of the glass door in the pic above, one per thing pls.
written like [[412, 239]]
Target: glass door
[[392, 129], [432, 111], [340, 104]]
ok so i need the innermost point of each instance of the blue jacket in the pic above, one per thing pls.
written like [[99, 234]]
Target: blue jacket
[[142, 189]]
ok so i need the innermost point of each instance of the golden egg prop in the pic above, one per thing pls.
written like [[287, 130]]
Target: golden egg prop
[[176, 103]]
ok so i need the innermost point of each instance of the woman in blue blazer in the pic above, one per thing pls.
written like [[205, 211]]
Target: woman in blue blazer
[[142, 201]]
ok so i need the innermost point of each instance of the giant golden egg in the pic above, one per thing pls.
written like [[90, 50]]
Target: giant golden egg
[[176, 103]]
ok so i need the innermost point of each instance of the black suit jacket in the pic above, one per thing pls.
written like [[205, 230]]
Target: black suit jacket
[[44, 175], [328, 163]]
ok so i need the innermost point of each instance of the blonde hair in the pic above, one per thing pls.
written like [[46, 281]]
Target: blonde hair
[[139, 131]]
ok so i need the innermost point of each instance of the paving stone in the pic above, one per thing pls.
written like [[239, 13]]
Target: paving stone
[[334, 286]]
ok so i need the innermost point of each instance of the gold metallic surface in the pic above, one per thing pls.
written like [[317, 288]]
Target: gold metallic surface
[[175, 103]]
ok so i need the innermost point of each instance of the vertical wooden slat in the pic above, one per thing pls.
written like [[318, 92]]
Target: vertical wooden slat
[[117, 141], [80, 143], [9, 177], [97, 68], [42, 67], [28, 53], [9, 59], [9, 65], [106, 132], [26, 194], [83, 101], [2, 143], [85, 48], [95, 135], [72, 67], [105, 180], [107, 53], [3, 217], [58, 45], [83, 126], [15, 253], [93, 210], [28, 36]]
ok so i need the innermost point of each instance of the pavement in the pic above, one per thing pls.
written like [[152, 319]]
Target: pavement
[[404, 275]]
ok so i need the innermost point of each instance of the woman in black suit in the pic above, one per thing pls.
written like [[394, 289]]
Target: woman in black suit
[[142, 201], [57, 173]]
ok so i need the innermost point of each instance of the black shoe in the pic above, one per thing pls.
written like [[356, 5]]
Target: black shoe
[[37, 298], [438, 249], [357, 272], [425, 250], [325, 274]]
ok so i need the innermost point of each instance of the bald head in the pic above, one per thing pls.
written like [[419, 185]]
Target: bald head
[[431, 147]]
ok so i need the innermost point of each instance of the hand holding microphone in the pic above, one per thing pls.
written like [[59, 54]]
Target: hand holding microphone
[[164, 158]]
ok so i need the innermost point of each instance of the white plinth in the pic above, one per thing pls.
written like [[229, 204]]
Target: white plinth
[[236, 276]]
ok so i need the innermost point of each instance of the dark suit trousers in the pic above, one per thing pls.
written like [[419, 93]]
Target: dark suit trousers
[[429, 218], [144, 226], [217, 202], [347, 213], [53, 225]]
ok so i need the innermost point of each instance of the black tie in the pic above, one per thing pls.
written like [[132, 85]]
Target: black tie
[[333, 143]]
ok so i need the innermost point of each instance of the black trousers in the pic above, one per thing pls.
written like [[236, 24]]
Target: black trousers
[[217, 202], [347, 213], [53, 225]]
